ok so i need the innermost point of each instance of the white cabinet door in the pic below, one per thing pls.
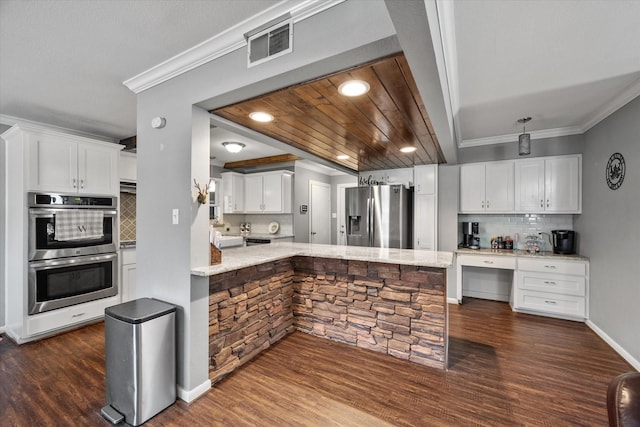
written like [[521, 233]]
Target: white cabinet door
[[233, 192], [128, 282], [128, 167], [97, 169], [562, 185], [272, 192], [53, 164], [253, 193], [529, 185], [425, 179], [472, 184], [499, 187], [425, 221]]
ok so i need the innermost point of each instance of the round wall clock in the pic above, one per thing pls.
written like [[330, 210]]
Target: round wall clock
[[615, 171]]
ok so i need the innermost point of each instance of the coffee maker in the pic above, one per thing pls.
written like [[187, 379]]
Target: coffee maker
[[564, 242], [469, 235]]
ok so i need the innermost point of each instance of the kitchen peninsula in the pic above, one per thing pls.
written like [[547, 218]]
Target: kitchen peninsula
[[387, 300]]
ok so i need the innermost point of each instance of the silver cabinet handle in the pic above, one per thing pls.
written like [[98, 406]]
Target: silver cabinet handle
[[488, 262], [487, 204], [547, 202], [82, 183], [75, 183], [79, 315], [553, 267], [550, 302], [548, 282], [541, 203], [313, 233], [483, 204]]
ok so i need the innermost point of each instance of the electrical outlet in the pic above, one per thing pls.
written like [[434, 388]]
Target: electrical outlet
[[175, 216]]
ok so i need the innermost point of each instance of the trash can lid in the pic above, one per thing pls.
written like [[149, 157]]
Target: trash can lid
[[140, 310]]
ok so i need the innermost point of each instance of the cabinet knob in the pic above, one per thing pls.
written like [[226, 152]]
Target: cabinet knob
[[82, 183], [547, 202], [487, 204], [75, 183], [542, 203]]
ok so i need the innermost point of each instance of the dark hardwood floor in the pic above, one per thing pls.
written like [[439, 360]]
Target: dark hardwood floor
[[506, 369]]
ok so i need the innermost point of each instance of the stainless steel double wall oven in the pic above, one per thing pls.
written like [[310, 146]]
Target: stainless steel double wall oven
[[69, 271]]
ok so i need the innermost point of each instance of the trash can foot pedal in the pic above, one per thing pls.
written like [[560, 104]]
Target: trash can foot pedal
[[112, 415]]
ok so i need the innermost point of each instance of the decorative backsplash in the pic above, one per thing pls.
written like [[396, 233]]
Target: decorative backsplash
[[127, 216], [523, 224]]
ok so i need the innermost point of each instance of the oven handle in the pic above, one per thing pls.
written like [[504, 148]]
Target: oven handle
[[49, 211], [78, 260]]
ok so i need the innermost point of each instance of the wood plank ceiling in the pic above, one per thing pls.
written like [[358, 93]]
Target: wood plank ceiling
[[370, 129]]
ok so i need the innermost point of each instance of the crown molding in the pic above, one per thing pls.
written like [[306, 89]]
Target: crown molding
[[11, 121], [224, 43], [629, 94], [513, 137]]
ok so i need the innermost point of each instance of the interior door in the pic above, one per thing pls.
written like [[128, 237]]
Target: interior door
[[319, 212]]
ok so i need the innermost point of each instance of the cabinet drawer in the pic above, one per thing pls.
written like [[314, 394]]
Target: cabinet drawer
[[70, 316], [552, 266], [552, 303], [552, 283], [504, 262]]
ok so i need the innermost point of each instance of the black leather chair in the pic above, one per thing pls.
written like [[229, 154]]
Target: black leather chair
[[623, 400]]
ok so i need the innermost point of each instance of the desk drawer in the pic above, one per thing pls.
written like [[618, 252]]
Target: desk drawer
[[567, 305], [489, 261], [552, 266], [552, 283]]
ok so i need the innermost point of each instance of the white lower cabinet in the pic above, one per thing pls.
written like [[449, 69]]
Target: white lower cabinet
[[68, 317], [552, 287], [128, 275]]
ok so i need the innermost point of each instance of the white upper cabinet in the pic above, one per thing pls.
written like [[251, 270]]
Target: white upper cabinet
[[268, 192], [128, 167], [71, 164], [487, 187], [425, 179], [232, 192], [551, 184]]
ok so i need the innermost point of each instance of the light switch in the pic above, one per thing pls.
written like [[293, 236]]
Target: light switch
[[176, 216]]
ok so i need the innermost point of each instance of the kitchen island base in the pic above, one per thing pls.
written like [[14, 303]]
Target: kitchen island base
[[396, 309]]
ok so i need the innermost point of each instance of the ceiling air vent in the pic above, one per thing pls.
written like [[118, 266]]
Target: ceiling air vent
[[266, 44]]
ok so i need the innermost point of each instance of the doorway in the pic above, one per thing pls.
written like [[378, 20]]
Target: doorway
[[319, 212]]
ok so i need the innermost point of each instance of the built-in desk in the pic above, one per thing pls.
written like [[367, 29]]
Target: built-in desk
[[543, 283]]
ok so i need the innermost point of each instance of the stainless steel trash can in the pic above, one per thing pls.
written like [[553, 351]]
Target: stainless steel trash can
[[140, 360]]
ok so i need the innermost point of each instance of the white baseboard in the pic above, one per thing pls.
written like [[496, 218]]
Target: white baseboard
[[191, 395], [621, 351], [2, 330], [452, 300]]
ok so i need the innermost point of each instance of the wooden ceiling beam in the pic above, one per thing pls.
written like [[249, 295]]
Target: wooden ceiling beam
[[282, 158]]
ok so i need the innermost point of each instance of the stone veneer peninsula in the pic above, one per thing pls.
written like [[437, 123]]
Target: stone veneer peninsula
[[387, 300]]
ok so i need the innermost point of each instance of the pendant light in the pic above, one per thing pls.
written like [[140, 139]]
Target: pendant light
[[524, 140]]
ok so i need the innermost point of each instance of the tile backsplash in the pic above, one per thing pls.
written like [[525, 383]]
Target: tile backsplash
[[259, 223], [127, 216], [523, 224]]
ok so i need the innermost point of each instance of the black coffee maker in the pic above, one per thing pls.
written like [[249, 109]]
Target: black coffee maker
[[564, 241], [469, 233]]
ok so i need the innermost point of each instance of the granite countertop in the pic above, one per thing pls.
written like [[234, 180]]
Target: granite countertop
[[520, 253], [236, 258]]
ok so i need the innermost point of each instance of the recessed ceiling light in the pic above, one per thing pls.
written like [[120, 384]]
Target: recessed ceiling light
[[233, 147], [408, 149], [354, 88], [342, 157], [261, 116]]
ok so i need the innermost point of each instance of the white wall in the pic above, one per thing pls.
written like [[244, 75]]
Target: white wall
[[3, 192], [301, 197], [609, 228]]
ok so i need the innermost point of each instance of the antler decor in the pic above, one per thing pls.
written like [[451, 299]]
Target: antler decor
[[202, 192]]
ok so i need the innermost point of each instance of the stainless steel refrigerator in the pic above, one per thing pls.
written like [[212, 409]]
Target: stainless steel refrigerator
[[379, 216]]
